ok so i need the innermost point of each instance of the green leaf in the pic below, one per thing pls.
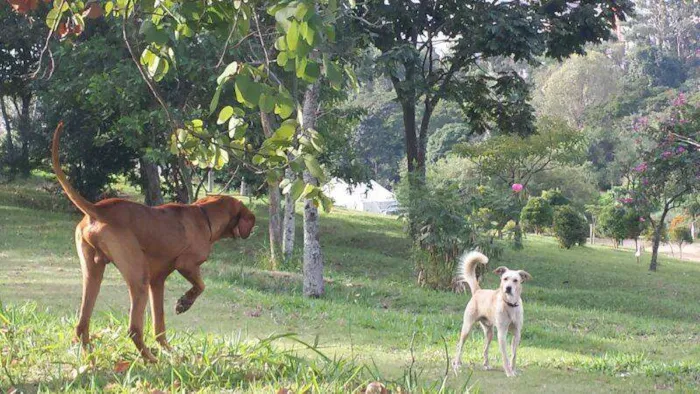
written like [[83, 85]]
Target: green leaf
[[286, 130], [312, 71], [296, 188], [327, 203], [333, 73], [215, 100], [53, 17], [247, 91], [293, 36], [225, 114], [282, 59], [109, 6], [314, 168], [308, 33], [267, 103], [229, 71], [309, 191], [284, 107]]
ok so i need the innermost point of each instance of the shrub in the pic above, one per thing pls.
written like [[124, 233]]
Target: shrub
[[679, 233], [555, 198], [536, 214], [437, 218], [570, 227]]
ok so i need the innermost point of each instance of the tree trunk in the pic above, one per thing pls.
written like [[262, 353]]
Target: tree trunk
[[657, 240], [184, 192], [244, 188], [313, 257], [24, 133], [150, 182], [275, 204], [289, 221], [9, 143]]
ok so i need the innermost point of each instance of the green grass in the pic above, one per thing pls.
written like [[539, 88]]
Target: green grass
[[595, 321]]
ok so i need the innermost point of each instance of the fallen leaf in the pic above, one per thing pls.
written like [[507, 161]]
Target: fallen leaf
[[121, 366], [284, 391]]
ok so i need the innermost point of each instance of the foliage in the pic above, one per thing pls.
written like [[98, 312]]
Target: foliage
[[444, 231], [670, 167], [679, 231], [537, 213], [575, 86], [570, 227], [514, 159], [440, 143], [555, 197], [411, 34]]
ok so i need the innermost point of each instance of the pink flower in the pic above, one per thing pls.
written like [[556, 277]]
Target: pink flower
[[645, 181], [679, 101], [667, 154], [626, 200], [641, 219], [517, 187], [680, 149], [641, 168]]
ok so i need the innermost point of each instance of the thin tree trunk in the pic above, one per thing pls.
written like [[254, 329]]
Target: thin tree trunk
[[24, 132], [9, 143], [275, 204], [657, 240], [289, 221], [150, 182], [184, 190], [313, 257]]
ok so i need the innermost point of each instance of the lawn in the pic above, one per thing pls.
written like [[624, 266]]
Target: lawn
[[595, 320]]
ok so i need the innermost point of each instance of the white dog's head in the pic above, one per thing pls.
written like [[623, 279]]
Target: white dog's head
[[511, 283]]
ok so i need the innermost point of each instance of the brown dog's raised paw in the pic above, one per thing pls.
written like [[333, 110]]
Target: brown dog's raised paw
[[183, 305]]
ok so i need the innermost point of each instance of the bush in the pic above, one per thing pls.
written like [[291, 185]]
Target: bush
[[570, 227], [438, 221], [555, 198], [536, 214]]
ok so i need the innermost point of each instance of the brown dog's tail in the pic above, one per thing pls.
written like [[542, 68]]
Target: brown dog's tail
[[466, 270], [84, 205]]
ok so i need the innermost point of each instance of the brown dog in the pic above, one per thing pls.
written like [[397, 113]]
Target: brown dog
[[146, 244]]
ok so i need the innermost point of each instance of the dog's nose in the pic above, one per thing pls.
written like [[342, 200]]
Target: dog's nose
[[508, 289]]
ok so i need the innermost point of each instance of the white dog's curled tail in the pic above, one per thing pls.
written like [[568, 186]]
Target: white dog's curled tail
[[466, 270]]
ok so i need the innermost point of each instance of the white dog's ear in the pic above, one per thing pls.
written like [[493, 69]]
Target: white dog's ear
[[524, 276], [500, 270]]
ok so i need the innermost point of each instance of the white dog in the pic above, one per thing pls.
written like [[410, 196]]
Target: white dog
[[501, 308]]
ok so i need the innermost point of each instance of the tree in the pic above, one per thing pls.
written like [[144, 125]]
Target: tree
[[570, 227], [537, 213], [575, 86], [679, 233], [412, 36], [301, 35], [20, 49], [669, 170], [512, 159]]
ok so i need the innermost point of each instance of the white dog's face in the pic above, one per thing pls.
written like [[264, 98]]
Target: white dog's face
[[511, 282]]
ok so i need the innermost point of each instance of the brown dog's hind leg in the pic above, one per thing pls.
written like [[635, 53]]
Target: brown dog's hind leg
[[93, 271], [193, 275], [133, 265]]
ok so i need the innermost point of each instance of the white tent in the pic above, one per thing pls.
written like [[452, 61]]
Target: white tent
[[371, 197]]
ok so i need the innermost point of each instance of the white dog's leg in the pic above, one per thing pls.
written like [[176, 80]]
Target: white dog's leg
[[488, 337], [502, 343], [514, 346], [466, 328]]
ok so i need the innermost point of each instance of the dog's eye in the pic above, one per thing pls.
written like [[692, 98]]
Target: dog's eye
[[515, 281]]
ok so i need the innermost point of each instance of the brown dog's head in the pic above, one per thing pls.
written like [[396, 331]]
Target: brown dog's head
[[511, 283], [243, 223]]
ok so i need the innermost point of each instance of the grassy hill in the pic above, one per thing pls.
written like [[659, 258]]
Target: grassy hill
[[595, 321]]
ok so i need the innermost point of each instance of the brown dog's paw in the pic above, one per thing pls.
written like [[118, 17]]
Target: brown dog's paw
[[183, 305]]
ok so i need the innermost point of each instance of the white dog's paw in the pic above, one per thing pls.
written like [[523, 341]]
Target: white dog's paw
[[456, 365], [487, 367], [512, 374]]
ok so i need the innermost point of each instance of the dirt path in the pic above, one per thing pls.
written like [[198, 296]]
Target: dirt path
[[690, 252]]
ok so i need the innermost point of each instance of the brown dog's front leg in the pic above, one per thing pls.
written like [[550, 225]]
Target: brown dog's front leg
[[193, 276], [157, 288]]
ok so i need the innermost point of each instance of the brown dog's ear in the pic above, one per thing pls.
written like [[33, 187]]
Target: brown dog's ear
[[524, 276], [500, 270], [246, 222]]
